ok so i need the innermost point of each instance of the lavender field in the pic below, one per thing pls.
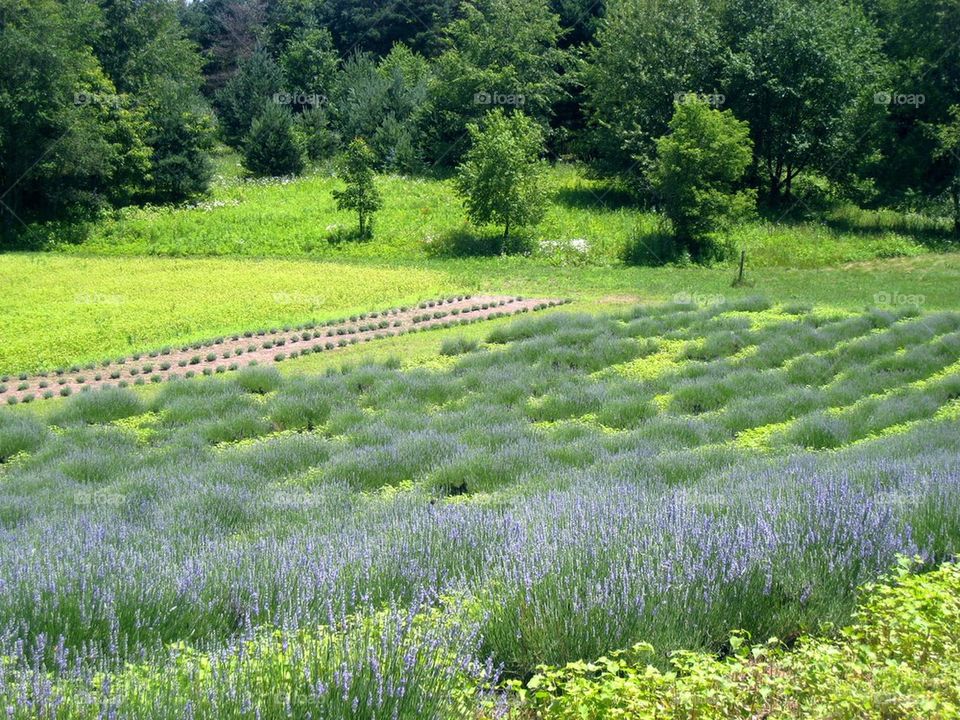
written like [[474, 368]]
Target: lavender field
[[383, 543]]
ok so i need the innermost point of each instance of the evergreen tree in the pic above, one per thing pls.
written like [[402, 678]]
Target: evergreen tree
[[258, 81], [310, 64], [180, 135], [271, 147]]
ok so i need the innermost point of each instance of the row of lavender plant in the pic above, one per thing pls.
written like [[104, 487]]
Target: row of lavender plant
[[116, 542], [563, 575]]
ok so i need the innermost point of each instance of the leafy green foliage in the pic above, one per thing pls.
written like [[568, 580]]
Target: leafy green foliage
[[310, 63], [647, 54], [376, 26], [361, 194], [144, 50], [180, 135], [271, 148], [501, 52], [922, 84], [948, 151], [69, 142], [380, 101], [101, 106], [501, 176], [699, 165], [803, 74]]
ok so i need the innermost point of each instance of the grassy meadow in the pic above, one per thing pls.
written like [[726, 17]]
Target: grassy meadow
[[277, 252], [588, 222], [61, 309]]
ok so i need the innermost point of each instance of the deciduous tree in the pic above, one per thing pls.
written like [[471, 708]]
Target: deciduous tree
[[700, 164], [361, 194], [500, 178], [803, 73]]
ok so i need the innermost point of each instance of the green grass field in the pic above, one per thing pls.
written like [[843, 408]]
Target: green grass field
[[261, 252], [62, 309], [424, 218]]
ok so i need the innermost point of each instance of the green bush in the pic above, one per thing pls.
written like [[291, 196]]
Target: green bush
[[458, 346], [18, 434], [258, 380], [699, 165], [104, 406]]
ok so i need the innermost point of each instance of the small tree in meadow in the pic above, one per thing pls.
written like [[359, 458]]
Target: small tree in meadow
[[271, 147], [501, 176], [700, 162], [361, 194]]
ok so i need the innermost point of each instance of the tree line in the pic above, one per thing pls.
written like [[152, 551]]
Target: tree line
[[105, 103]]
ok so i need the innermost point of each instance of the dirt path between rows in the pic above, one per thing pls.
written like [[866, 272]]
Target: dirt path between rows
[[266, 347]]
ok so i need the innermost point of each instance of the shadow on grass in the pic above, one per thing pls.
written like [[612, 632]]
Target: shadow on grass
[[44, 235], [466, 242], [932, 232], [608, 197], [344, 235]]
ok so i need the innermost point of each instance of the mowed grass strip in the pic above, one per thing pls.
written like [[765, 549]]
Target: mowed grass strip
[[266, 345], [64, 309], [58, 310]]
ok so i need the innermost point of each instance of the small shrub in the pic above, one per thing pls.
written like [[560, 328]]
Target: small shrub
[[258, 380], [105, 406], [19, 434], [458, 346]]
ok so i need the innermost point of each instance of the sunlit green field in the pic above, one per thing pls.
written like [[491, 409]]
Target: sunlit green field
[[588, 222], [409, 527], [61, 309]]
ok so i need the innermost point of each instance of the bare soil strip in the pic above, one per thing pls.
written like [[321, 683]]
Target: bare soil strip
[[264, 347]]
